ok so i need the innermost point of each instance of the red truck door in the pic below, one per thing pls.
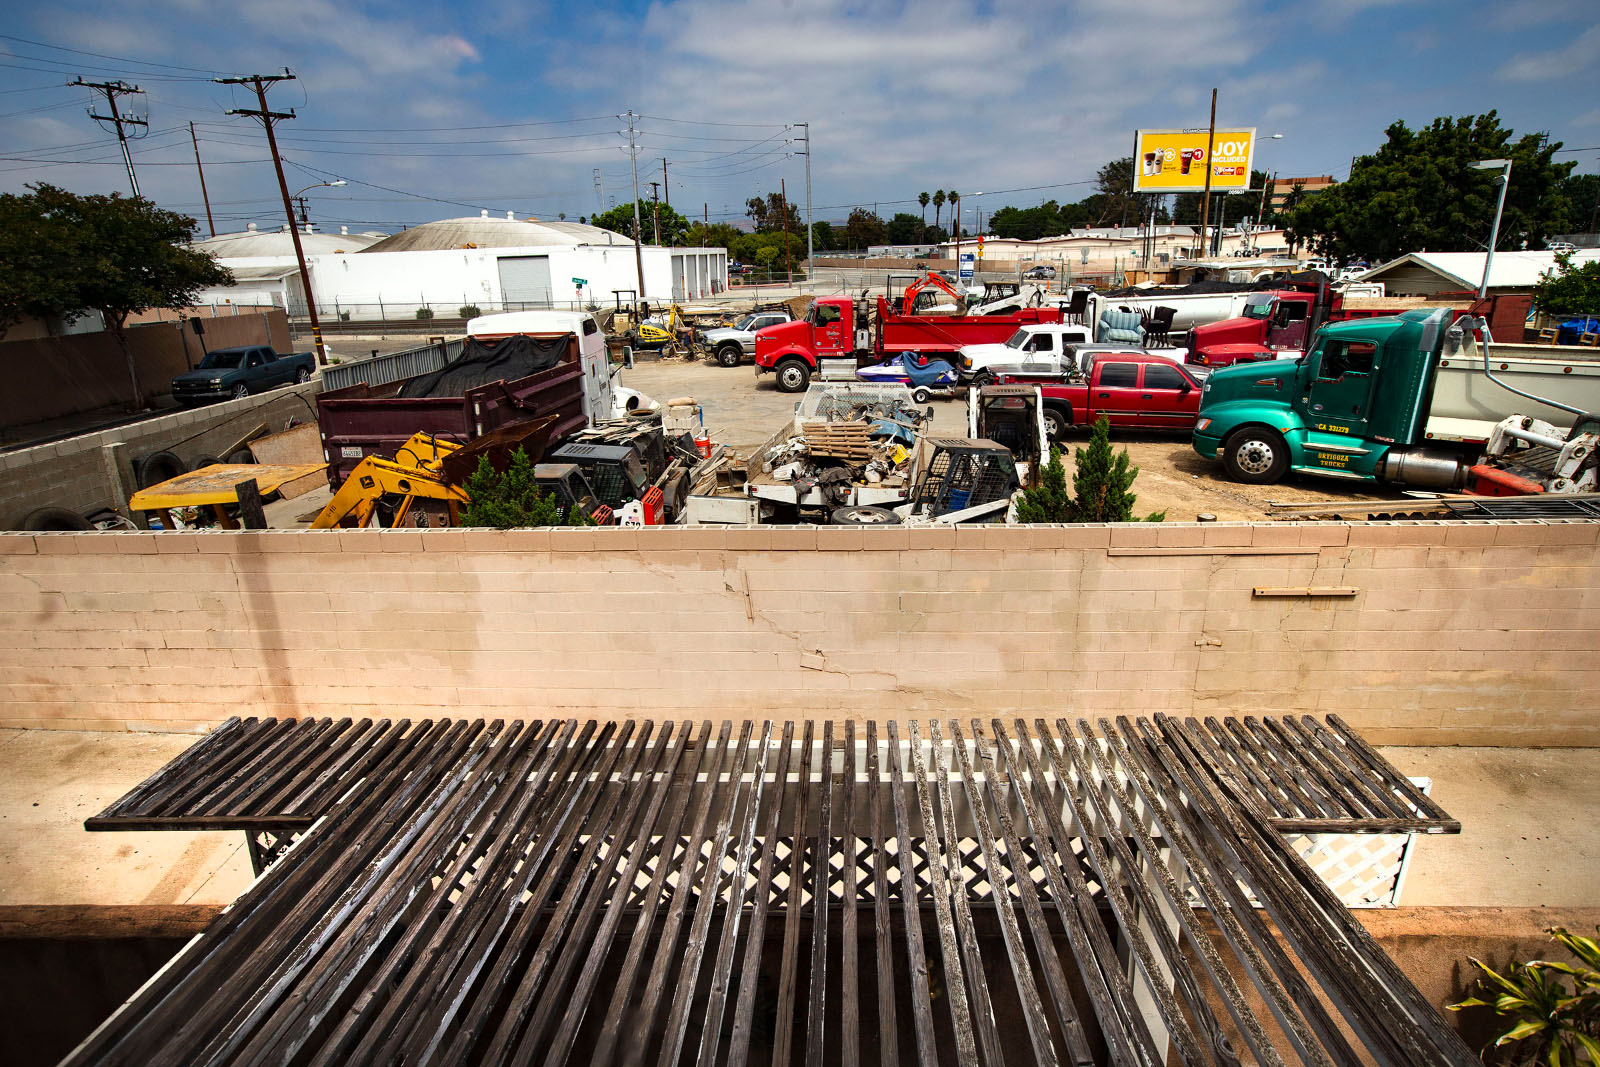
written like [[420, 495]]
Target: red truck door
[[1168, 399], [1289, 321], [830, 333], [1115, 393]]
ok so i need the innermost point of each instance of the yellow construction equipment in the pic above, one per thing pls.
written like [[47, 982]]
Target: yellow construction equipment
[[416, 472]]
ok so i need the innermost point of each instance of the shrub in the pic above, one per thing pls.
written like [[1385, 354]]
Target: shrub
[[513, 499], [1102, 482], [1569, 290], [1553, 1008], [424, 313], [344, 316], [468, 311]]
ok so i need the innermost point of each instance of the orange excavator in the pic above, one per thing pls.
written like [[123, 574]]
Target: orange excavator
[[910, 304]]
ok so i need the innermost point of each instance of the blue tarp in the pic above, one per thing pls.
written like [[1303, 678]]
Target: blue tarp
[[905, 367], [1570, 329]]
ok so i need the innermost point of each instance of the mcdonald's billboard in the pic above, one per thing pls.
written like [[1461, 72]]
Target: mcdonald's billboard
[[1176, 161]]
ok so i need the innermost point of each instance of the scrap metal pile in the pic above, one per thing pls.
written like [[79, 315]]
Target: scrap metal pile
[[845, 437]]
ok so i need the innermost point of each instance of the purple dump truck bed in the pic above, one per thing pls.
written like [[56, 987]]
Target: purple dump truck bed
[[361, 420]]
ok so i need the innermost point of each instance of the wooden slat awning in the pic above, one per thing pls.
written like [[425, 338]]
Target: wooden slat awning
[[555, 892]]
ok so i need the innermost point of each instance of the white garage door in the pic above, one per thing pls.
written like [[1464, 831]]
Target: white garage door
[[678, 290], [525, 282]]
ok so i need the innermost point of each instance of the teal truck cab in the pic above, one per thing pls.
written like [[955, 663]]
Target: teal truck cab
[[1409, 399]]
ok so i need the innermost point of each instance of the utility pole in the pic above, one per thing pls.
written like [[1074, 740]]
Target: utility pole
[[810, 249], [665, 187], [305, 219], [655, 206], [788, 260], [599, 191], [638, 230], [112, 90], [203, 194], [260, 83], [1205, 204]]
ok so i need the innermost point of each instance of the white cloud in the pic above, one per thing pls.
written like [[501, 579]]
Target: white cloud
[[1555, 63]]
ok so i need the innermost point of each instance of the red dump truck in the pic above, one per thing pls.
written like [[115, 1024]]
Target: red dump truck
[[836, 327]]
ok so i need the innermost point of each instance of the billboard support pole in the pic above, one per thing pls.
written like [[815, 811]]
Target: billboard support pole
[[1205, 204]]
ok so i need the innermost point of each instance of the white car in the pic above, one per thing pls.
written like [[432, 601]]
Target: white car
[[1036, 347]]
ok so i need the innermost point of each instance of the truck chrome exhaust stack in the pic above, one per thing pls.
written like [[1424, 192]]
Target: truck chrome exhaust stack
[[1423, 470]]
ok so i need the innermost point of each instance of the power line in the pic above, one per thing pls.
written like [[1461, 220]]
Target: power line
[[101, 55], [112, 90]]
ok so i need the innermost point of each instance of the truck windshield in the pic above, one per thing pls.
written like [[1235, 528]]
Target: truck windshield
[[1258, 307], [222, 361], [1018, 339], [745, 323]]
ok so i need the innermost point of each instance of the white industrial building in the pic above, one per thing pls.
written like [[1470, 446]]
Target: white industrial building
[[483, 262]]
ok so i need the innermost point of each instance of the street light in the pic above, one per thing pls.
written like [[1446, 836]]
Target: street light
[[335, 184], [1261, 212], [1504, 178]]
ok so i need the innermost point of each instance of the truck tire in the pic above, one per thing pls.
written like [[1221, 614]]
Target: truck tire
[[202, 462], [302, 376], [793, 376], [240, 391], [157, 467], [730, 355], [863, 515], [982, 378], [243, 455], [1056, 423], [48, 519], [1256, 455]]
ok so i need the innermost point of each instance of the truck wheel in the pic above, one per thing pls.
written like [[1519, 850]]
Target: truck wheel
[[920, 395], [982, 378], [46, 519], [793, 376], [240, 391], [302, 376], [156, 468], [1256, 456], [863, 515], [730, 355], [1056, 423]]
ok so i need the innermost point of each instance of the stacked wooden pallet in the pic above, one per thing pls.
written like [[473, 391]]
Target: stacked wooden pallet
[[839, 440]]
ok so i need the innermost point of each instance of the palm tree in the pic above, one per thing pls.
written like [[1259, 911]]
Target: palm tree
[[923, 198], [938, 206], [955, 210]]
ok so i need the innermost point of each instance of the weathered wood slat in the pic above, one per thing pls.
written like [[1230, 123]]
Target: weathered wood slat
[[462, 890]]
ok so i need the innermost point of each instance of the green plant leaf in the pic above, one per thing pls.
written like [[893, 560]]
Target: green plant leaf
[[1470, 1002], [1526, 1028], [1589, 1045]]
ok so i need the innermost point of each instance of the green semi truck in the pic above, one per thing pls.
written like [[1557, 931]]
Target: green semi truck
[[1411, 399]]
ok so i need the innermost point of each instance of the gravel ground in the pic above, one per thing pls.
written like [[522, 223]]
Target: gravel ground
[[743, 410]]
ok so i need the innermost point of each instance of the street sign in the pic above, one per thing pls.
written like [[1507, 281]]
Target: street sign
[[966, 265], [1176, 161], [580, 282]]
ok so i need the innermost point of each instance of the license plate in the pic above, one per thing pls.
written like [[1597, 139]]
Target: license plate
[[350, 452]]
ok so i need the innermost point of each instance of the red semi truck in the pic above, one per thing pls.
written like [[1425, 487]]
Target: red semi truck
[[1276, 324], [836, 327]]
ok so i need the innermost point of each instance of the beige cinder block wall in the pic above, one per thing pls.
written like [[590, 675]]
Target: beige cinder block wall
[[1454, 634]]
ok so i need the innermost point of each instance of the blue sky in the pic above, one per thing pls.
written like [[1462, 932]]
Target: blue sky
[[433, 112]]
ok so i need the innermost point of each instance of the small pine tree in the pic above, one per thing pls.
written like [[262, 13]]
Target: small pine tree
[[1050, 501], [1102, 481], [511, 500]]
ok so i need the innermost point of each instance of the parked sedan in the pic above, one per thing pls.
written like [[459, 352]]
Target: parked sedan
[[1041, 271]]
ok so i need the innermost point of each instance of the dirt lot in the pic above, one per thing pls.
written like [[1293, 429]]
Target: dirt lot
[[742, 410]]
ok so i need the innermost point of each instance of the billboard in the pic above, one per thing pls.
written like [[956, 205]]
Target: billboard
[[1176, 161]]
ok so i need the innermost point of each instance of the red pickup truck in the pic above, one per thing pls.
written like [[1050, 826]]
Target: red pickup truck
[[837, 327], [1133, 390]]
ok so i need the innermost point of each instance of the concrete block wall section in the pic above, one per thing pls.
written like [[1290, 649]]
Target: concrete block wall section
[[1455, 634], [75, 473]]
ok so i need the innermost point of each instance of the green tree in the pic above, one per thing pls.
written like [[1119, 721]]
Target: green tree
[[513, 499], [823, 237], [768, 214], [716, 235], [938, 204], [904, 229], [674, 227], [864, 228], [1102, 486], [1569, 290], [62, 254], [923, 198], [1419, 192], [953, 198], [1114, 204]]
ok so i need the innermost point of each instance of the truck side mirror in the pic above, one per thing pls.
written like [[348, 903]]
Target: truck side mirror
[[627, 356]]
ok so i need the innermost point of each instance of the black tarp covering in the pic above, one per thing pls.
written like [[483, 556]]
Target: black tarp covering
[[482, 362]]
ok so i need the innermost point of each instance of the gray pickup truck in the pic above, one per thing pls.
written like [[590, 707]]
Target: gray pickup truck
[[730, 345], [233, 373]]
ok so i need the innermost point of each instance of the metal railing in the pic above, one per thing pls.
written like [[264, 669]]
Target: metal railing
[[394, 367]]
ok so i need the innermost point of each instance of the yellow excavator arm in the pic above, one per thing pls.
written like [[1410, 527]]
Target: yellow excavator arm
[[414, 472]]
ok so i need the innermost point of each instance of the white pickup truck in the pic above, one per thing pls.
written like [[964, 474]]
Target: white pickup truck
[[1037, 348]]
